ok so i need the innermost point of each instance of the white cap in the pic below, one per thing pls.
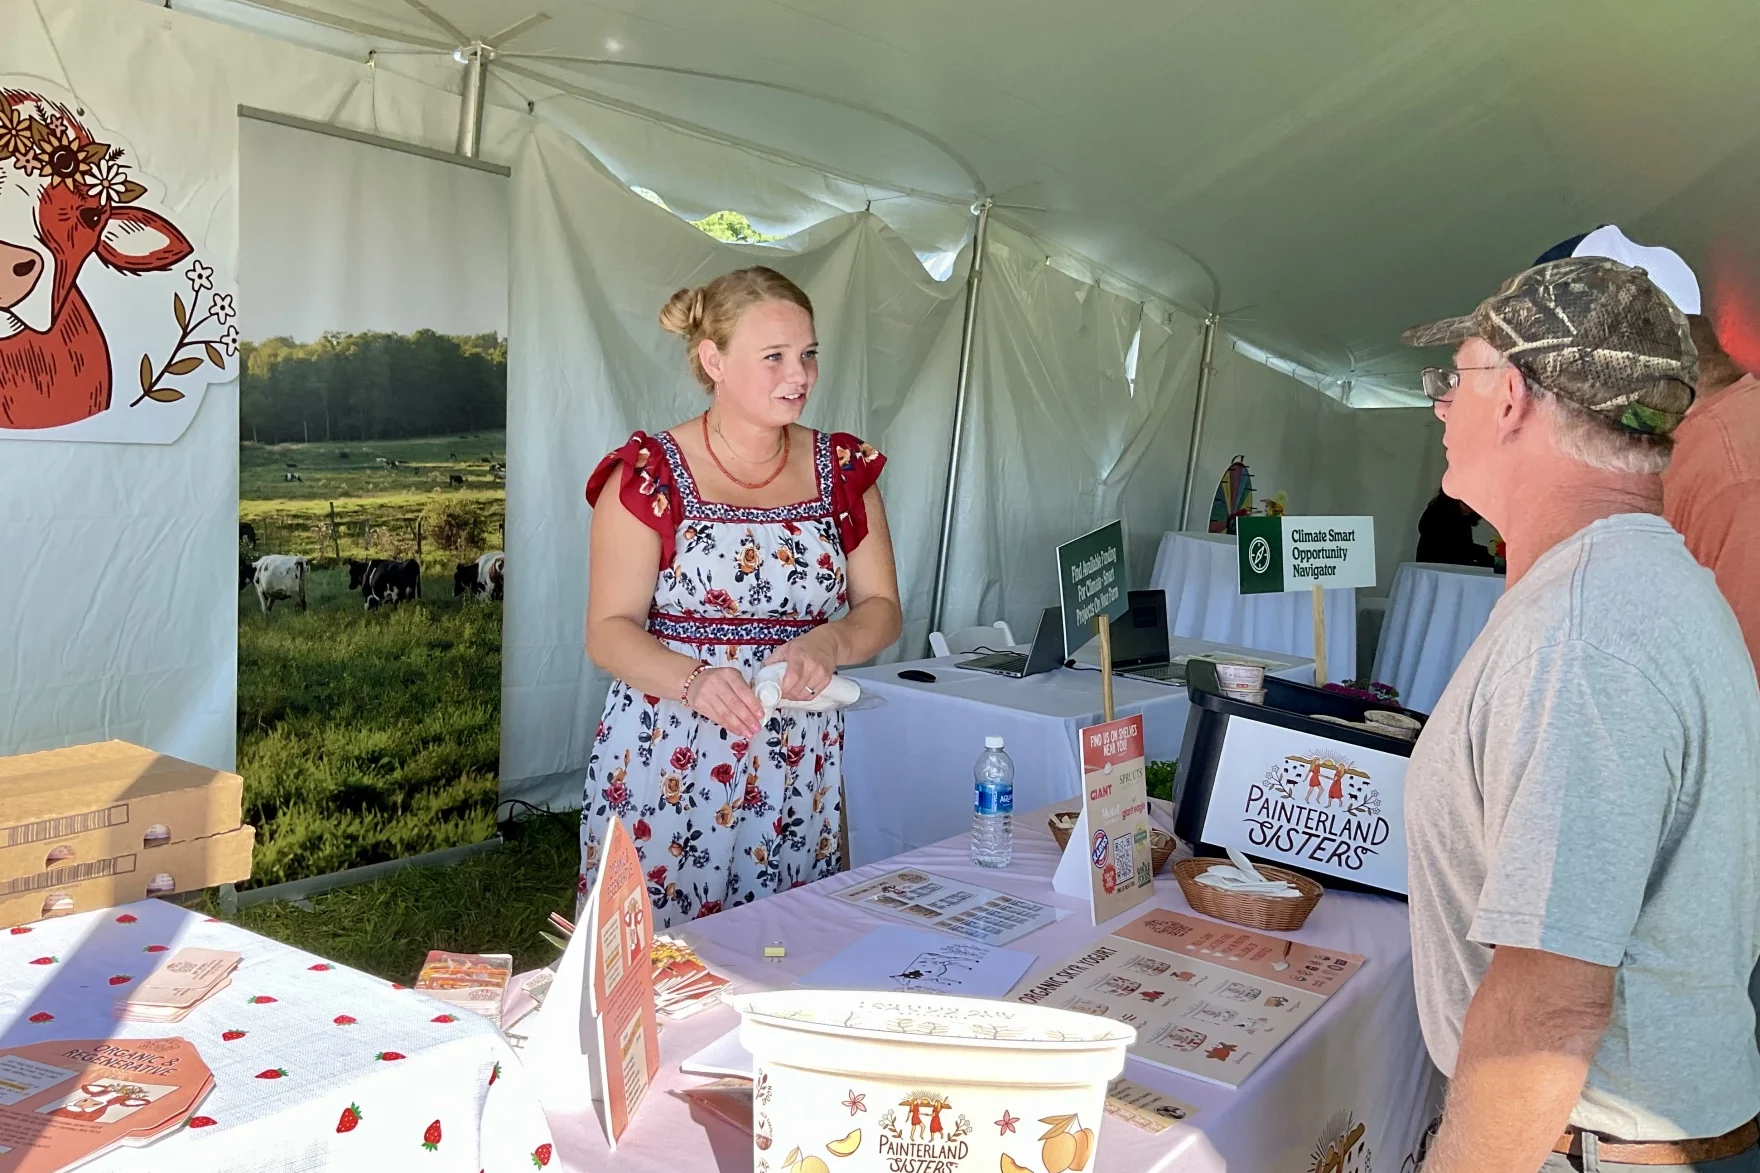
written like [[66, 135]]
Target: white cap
[[993, 742], [1667, 271]]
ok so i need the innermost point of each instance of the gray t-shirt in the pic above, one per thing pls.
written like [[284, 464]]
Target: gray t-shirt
[[1588, 786]]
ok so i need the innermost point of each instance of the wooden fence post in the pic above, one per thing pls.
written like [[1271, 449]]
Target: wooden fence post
[[335, 533]]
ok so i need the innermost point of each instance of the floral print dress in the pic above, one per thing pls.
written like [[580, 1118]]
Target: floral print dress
[[720, 820]]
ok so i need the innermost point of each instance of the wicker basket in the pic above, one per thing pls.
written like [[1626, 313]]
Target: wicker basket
[[1161, 844], [1278, 913]]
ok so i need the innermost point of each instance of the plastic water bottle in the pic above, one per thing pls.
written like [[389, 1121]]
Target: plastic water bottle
[[993, 806]]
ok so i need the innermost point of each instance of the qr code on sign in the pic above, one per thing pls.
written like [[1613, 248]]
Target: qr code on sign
[[1122, 858]]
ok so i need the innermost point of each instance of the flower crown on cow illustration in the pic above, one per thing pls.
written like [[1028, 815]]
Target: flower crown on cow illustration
[[65, 197]]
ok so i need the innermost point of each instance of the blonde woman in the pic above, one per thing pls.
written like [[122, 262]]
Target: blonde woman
[[731, 541]]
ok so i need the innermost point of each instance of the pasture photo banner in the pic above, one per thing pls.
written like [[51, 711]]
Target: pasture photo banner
[[372, 499]]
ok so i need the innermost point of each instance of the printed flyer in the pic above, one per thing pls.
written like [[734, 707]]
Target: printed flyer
[[1207, 999], [625, 1033], [1116, 800], [64, 1103], [937, 902]]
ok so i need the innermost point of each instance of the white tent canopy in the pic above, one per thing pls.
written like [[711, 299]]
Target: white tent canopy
[[1325, 174]]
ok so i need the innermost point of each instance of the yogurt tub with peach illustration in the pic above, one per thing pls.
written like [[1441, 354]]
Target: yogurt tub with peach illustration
[[859, 1082]]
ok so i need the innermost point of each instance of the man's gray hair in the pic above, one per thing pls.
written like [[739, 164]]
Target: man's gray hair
[[1592, 439]]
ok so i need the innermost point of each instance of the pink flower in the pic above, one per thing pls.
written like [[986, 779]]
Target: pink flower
[[722, 773], [641, 833], [683, 758], [793, 755], [617, 793], [740, 747], [825, 562], [720, 600], [709, 908], [651, 699], [657, 876]]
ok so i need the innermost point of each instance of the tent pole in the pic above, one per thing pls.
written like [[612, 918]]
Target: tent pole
[[475, 58], [1206, 366], [980, 242]]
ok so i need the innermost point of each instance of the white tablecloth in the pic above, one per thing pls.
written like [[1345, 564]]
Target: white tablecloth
[[1434, 613], [1360, 1059], [341, 1039], [1202, 580], [907, 764]]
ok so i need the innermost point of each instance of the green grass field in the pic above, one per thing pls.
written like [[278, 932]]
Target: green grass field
[[366, 736], [495, 902], [293, 517]]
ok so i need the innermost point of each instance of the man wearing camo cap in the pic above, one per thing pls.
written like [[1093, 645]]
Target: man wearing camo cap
[[1582, 818]]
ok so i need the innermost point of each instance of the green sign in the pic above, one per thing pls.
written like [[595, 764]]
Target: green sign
[[1300, 553], [1090, 580]]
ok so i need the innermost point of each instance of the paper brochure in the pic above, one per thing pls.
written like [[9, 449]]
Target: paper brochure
[[1207, 999], [897, 957]]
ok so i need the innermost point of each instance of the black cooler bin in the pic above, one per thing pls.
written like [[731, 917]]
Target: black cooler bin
[[1280, 783]]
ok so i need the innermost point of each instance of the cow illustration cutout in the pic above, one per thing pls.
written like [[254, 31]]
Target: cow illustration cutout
[[111, 325]]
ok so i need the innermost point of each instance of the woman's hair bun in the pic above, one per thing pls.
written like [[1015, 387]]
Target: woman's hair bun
[[683, 312]]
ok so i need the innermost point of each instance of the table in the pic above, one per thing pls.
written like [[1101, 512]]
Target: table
[[907, 763], [1361, 1059], [1201, 576], [1434, 613], [459, 1072]]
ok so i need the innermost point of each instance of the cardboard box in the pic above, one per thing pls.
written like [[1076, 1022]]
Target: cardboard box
[[90, 803], [132, 875]]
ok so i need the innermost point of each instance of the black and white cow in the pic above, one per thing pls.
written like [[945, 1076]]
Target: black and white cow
[[281, 576], [384, 581], [484, 578]]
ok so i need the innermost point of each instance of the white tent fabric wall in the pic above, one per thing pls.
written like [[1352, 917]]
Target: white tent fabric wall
[[1055, 440], [121, 598], [588, 364]]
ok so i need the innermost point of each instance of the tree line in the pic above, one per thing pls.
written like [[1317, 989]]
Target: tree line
[[371, 387]]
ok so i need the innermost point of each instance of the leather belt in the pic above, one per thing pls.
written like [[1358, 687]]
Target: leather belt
[[1664, 1152]]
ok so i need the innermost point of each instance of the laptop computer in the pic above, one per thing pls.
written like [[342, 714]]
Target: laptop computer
[[1139, 641], [1046, 653]]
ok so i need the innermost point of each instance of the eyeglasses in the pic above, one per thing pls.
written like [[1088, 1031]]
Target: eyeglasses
[[1440, 383]]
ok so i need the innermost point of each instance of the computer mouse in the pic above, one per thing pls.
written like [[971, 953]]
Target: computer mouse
[[918, 675]]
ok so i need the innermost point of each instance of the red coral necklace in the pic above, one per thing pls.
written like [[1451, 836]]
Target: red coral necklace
[[724, 470]]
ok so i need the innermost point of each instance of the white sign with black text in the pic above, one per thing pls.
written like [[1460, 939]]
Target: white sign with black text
[[1321, 805]]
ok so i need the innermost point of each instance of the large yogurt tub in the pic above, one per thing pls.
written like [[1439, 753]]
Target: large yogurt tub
[[852, 1082]]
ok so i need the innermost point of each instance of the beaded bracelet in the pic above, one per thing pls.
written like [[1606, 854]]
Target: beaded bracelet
[[685, 696]]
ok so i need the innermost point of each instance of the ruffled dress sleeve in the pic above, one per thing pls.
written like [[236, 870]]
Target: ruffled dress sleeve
[[855, 467], [646, 489]]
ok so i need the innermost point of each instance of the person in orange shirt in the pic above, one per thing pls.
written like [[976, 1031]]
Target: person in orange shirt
[[1711, 488]]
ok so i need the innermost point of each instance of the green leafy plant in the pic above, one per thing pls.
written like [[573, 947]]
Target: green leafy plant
[[1161, 776]]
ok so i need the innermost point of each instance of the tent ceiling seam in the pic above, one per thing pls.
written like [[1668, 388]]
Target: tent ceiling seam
[[1215, 281], [1143, 291], [979, 190], [696, 130], [346, 24]]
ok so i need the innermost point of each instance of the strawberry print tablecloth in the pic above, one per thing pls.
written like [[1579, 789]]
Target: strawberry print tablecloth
[[315, 1066]]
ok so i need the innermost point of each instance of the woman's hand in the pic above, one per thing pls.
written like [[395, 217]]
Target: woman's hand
[[811, 660], [723, 696]]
